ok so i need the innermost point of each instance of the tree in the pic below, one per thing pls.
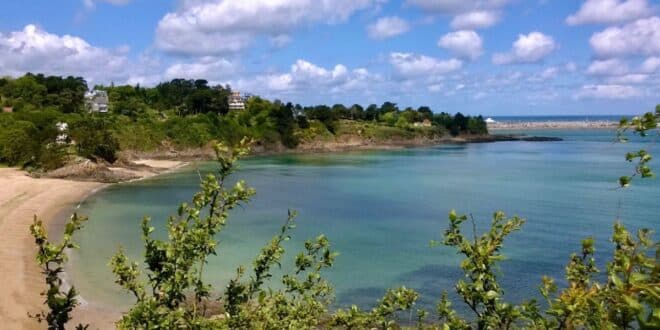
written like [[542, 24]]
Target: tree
[[371, 113], [94, 139], [51, 258], [425, 112]]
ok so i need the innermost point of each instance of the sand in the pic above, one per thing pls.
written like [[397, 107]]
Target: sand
[[21, 198]]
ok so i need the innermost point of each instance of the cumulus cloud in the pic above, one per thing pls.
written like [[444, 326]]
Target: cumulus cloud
[[306, 76], [387, 27], [635, 78], [280, 40], [410, 66], [464, 44], [33, 49], [610, 11], [641, 37], [651, 65], [456, 6], [91, 4], [546, 74], [607, 92], [477, 19], [469, 14], [611, 67], [530, 48], [206, 27], [208, 67]]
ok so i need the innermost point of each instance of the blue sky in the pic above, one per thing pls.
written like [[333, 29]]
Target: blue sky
[[493, 57]]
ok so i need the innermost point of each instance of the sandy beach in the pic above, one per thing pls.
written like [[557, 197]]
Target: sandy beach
[[21, 198]]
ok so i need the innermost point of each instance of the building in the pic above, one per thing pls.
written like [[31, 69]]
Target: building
[[97, 101], [236, 101], [63, 135], [424, 123]]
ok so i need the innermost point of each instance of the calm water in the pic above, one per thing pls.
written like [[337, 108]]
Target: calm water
[[381, 209]]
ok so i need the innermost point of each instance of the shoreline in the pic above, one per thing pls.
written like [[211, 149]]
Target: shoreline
[[53, 200], [552, 124]]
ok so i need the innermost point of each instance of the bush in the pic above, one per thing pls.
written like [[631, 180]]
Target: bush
[[17, 144], [94, 139]]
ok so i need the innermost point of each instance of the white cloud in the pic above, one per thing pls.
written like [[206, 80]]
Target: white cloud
[[610, 11], [410, 66], [635, 78], [91, 4], [529, 48], [215, 69], [464, 43], [306, 76], [611, 67], [280, 40], [435, 88], [651, 65], [456, 6], [387, 27], [477, 19], [641, 37], [570, 66], [35, 50], [204, 27], [607, 92], [549, 73]]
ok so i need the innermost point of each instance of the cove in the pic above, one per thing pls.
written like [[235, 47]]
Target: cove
[[380, 209]]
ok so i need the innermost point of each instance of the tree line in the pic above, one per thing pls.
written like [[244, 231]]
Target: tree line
[[184, 113]]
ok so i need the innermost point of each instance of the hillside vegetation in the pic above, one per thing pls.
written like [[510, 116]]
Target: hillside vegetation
[[189, 114]]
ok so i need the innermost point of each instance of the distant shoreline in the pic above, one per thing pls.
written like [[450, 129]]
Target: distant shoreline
[[549, 124]]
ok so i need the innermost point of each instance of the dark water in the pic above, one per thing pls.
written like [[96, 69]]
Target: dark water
[[381, 209]]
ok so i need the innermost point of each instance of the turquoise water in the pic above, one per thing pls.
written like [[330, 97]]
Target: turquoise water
[[381, 209]]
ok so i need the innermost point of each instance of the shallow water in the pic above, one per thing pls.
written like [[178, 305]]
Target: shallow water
[[381, 209]]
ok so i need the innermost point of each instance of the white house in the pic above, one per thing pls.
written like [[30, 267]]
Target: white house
[[97, 101], [63, 135], [236, 101]]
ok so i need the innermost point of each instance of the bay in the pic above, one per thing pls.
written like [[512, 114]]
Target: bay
[[380, 209]]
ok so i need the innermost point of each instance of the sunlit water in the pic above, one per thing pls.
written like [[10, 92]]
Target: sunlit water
[[381, 209]]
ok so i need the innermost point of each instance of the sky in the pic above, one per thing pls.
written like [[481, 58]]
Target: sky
[[490, 57]]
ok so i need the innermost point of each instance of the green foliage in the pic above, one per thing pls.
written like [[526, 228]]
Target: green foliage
[[480, 289], [175, 267], [630, 297], [51, 258], [17, 147], [642, 126], [35, 92], [94, 139], [383, 316], [301, 304]]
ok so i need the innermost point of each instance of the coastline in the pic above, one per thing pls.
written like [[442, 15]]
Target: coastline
[[52, 200], [552, 124]]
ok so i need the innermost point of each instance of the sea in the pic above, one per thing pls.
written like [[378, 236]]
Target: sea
[[381, 210]]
